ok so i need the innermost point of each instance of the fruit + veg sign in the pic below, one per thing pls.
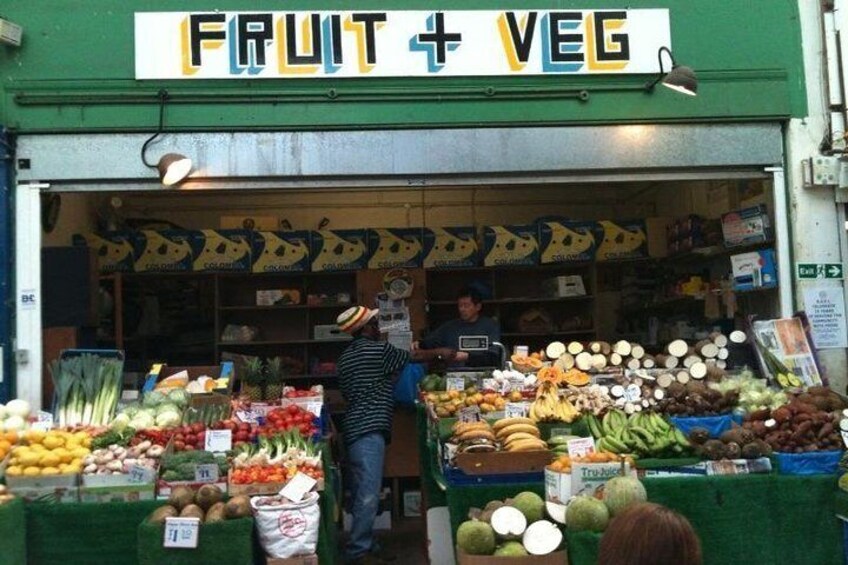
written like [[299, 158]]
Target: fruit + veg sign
[[273, 45]]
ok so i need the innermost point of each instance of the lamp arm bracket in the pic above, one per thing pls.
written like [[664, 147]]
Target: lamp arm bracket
[[162, 95]]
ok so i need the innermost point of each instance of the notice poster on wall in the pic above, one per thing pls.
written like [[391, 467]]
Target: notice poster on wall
[[783, 348], [825, 307]]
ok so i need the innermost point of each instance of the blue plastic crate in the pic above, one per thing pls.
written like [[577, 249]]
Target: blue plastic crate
[[716, 425], [455, 477], [812, 463]]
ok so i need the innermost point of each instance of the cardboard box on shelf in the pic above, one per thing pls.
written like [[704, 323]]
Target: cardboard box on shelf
[[505, 246], [621, 240], [564, 286], [277, 297], [747, 226], [223, 374], [220, 250], [412, 504], [161, 251], [114, 250], [394, 248], [657, 232], [280, 251], [450, 247], [566, 242], [757, 269], [338, 250]]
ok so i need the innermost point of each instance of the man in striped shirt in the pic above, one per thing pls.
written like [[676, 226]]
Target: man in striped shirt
[[366, 369]]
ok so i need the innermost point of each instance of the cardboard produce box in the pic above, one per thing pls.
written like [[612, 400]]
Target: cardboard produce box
[[395, 248], [450, 248], [55, 488], [555, 558], [338, 250], [622, 240], [566, 242], [164, 251], [280, 252], [257, 489], [117, 488], [220, 250], [503, 462], [114, 250], [506, 246]]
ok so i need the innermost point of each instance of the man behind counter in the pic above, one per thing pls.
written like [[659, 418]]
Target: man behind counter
[[470, 323]]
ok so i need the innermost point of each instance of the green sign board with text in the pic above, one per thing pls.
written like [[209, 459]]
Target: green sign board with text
[[820, 271]]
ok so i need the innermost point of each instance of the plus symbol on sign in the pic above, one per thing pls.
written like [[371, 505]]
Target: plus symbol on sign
[[436, 43]]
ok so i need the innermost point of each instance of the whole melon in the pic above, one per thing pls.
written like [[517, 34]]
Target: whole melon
[[621, 492], [531, 505], [587, 513], [476, 538], [511, 549]]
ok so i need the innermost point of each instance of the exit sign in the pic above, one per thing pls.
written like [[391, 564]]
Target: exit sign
[[819, 270]]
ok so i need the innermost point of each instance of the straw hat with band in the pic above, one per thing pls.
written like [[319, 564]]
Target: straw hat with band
[[355, 318]]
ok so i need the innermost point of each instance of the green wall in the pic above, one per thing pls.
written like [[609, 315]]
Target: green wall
[[747, 55]]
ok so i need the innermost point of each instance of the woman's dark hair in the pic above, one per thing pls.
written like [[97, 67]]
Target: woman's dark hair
[[650, 534], [472, 293]]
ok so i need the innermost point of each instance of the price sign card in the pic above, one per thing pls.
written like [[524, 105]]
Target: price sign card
[[206, 473], [181, 533], [141, 474], [247, 416], [632, 393], [315, 408], [490, 384], [218, 441], [470, 414], [298, 486], [845, 438], [516, 410], [455, 383], [560, 432], [44, 422], [580, 447]]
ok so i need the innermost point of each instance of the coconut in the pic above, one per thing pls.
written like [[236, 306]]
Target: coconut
[[160, 514], [181, 497], [238, 507], [192, 511], [207, 496], [217, 513]]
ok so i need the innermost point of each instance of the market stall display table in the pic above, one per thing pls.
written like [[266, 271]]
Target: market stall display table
[[750, 518]]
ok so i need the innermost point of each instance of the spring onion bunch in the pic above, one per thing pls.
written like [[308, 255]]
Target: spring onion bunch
[[87, 389]]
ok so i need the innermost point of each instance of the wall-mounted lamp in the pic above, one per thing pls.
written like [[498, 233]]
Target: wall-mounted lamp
[[679, 78], [172, 167]]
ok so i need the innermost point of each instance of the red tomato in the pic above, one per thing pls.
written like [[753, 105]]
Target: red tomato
[[191, 439], [179, 445]]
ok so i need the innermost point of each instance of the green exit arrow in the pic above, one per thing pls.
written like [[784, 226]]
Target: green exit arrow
[[833, 271]]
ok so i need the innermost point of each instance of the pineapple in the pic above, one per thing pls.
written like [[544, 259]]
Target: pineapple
[[274, 375], [253, 384]]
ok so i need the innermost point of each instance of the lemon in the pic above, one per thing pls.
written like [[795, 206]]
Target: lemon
[[81, 436], [29, 459], [81, 452], [35, 436], [50, 459], [86, 442], [32, 472], [63, 454], [75, 466], [50, 471], [53, 442], [14, 470], [38, 448]]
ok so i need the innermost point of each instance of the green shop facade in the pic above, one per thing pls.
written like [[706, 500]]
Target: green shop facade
[[401, 95], [384, 94]]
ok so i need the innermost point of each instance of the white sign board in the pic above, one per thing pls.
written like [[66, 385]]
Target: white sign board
[[28, 299], [181, 533], [825, 308], [318, 44]]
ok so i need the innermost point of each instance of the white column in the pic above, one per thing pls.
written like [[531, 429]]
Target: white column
[[813, 212], [27, 226]]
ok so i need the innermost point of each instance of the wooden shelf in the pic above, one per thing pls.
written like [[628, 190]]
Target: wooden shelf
[[281, 342], [762, 289], [284, 307], [538, 300], [549, 334], [677, 301], [716, 251]]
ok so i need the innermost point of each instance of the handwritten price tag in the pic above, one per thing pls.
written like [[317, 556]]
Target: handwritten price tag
[[632, 393], [297, 487], [581, 447], [181, 533], [455, 383], [470, 414], [206, 473], [490, 384], [315, 408], [218, 441], [516, 410], [247, 416], [555, 432], [44, 422], [140, 474]]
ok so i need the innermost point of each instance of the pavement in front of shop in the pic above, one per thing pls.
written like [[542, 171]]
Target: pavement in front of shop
[[407, 540]]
